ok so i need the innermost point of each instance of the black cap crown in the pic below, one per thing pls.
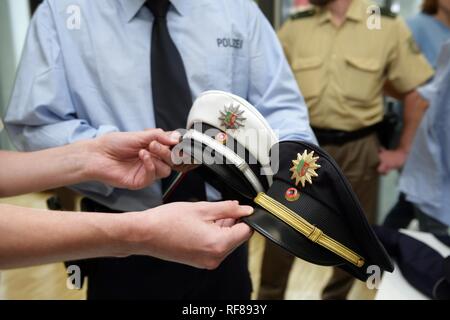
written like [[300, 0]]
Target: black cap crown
[[312, 211]]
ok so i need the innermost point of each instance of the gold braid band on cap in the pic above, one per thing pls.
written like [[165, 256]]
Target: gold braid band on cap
[[307, 229]]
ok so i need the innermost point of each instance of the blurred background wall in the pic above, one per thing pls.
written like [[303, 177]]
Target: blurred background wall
[[14, 20]]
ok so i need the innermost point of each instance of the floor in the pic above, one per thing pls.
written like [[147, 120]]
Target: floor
[[49, 281]]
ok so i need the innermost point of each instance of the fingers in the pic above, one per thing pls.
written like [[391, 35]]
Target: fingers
[[224, 210], [168, 138], [382, 166], [149, 166], [162, 169], [165, 153], [238, 234], [165, 138], [155, 168], [228, 239], [226, 223], [161, 151], [383, 169]]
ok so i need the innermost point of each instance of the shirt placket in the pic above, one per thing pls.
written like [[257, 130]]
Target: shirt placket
[[332, 72]]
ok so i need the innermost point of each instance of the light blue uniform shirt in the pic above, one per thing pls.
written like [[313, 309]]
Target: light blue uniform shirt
[[426, 177], [429, 34], [81, 78]]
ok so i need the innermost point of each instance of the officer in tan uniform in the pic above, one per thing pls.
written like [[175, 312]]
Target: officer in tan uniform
[[343, 58]]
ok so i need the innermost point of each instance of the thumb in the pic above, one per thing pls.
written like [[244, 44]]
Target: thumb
[[166, 138], [225, 210]]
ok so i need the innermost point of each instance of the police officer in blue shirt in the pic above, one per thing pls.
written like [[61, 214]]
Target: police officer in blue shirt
[[93, 67]]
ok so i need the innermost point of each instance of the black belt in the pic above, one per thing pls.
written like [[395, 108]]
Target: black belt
[[338, 137]]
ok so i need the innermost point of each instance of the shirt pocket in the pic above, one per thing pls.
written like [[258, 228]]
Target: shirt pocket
[[310, 75], [362, 80]]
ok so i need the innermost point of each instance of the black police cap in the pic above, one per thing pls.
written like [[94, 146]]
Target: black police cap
[[311, 211]]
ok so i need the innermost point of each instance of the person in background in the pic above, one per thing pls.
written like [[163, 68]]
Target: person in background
[[342, 67], [129, 65], [430, 28], [200, 234], [425, 180]]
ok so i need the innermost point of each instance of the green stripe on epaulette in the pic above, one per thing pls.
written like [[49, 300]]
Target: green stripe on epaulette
[[303, 14], [385, 12]]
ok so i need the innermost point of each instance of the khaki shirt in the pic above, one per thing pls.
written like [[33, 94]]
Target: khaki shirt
[[341, 71]]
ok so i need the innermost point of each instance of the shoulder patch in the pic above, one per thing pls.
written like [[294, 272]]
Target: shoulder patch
[[303, 14], [385, 12]]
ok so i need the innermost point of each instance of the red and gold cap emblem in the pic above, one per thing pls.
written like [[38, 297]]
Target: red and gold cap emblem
[[222, 137], [292, 194]]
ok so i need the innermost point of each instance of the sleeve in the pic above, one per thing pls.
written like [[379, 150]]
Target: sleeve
[[431, 89], [427, 91], [41, 113], [272, 86], [407, 67]]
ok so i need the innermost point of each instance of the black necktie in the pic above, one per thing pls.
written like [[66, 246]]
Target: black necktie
[[172, 98]]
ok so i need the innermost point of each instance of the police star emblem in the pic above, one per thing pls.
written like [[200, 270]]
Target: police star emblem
[[304, 168], [232, 118]]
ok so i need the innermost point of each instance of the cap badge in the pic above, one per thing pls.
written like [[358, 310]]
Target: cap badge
[[304, 168], [292, 194], [222, 137], [232, 117]]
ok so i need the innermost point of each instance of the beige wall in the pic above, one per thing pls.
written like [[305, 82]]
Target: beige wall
[[14, 20]]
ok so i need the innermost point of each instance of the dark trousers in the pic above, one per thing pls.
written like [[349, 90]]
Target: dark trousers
[[401, 214], [139, 277], [404, 212]]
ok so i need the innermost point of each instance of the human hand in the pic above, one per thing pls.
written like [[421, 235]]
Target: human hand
[[183, 162], [199, 234], [391, 160], [123, 160]]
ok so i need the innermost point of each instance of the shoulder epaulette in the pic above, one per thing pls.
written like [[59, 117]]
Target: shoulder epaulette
[[303, 14], [385, 12]]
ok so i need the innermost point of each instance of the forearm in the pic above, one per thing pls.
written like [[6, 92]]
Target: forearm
[[36, 171], [414, 109], [30, 236]]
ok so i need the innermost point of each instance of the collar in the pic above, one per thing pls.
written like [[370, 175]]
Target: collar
[[132, 7], [355, 12], [324, 15]]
